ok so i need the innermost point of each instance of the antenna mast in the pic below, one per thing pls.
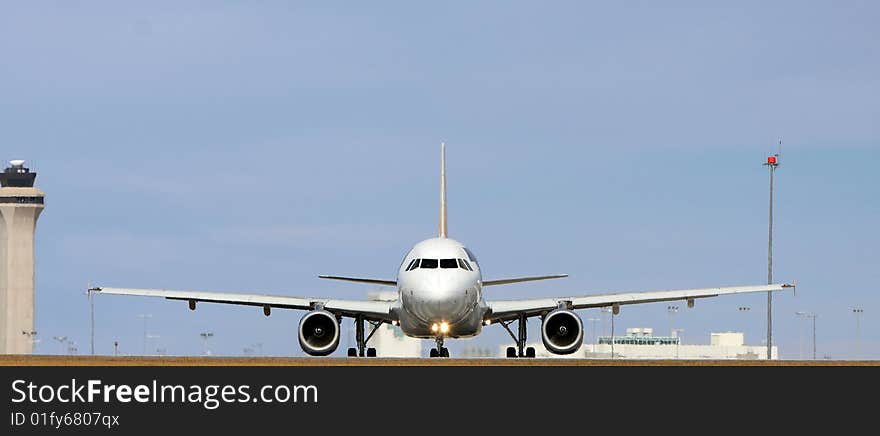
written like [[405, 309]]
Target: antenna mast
[[443, 230]]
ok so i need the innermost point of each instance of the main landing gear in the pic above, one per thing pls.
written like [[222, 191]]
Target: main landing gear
[[440, 351], [362, 349], [520, 350]]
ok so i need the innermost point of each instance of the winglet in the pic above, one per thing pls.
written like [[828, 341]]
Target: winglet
[[443, 229], [793, 287]]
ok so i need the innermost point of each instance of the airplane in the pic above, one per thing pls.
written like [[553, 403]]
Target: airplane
[[440, 296]]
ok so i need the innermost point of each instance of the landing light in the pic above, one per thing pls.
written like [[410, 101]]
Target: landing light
[[444, 327], [487, 322], [434, 327]]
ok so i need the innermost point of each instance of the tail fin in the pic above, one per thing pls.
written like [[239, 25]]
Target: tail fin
[[443, 232]]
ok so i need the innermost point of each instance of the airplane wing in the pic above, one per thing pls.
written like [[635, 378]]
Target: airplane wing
[[511, 309], [522, 279], [375, 310], [361, 280]]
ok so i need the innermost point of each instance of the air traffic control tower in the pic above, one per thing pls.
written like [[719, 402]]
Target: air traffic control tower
[[20, 206]]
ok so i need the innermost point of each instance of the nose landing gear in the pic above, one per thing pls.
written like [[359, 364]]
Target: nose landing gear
[[440, 351]]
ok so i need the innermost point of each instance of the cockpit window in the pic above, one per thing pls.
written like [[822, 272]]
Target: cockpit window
[[429, 263], [470, 255], [442, 263], [448, 263]]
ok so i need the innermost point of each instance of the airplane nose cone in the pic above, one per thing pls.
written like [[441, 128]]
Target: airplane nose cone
[[446, 299], [444, 288]]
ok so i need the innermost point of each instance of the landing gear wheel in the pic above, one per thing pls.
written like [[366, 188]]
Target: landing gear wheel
[[371, 352], [439, 350], [511, 352], [352, 352], [530, 352]]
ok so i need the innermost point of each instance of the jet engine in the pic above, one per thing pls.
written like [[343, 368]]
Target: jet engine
[[562, 331], [319, 333]]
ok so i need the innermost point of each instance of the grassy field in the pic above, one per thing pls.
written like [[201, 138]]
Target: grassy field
[[13, 360]]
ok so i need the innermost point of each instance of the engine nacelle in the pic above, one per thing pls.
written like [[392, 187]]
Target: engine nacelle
[[319, 333], [562, 332]]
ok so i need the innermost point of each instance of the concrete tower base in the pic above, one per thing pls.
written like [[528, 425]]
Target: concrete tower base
[[18, 220]]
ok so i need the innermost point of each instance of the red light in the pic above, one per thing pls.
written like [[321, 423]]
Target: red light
[[771, 160]]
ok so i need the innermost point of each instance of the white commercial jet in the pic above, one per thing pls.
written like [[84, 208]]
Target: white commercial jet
[[439, 296]]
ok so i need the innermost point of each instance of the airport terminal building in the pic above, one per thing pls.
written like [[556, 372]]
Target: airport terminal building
[[640, 343]]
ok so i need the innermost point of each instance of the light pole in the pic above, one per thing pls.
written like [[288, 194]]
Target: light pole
[[858, 312], [145, 317], [677, 334], [609, 311], [205, 336], [772, 163], [61, 341], [612, 333], [153, 336], [811, 316], [814, 334], [605, 310], [671, 310], [89, 291], [800, 336], [31, 335], [744, 310], [593, 328]]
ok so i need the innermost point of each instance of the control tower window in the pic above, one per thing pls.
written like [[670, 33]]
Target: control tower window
[[448, 263], [429, 263]]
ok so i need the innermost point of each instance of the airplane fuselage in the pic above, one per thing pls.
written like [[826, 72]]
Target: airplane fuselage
[[440, 290]]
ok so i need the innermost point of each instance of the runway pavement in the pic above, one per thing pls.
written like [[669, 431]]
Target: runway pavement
[[19, 360]]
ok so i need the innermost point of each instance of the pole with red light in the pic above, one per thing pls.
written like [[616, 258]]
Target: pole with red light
[[773, 163]]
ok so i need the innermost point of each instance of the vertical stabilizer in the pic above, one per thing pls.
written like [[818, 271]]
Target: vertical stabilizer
[[443, 232]]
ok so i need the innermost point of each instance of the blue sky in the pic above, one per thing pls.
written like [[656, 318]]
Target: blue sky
[[230, 147]]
